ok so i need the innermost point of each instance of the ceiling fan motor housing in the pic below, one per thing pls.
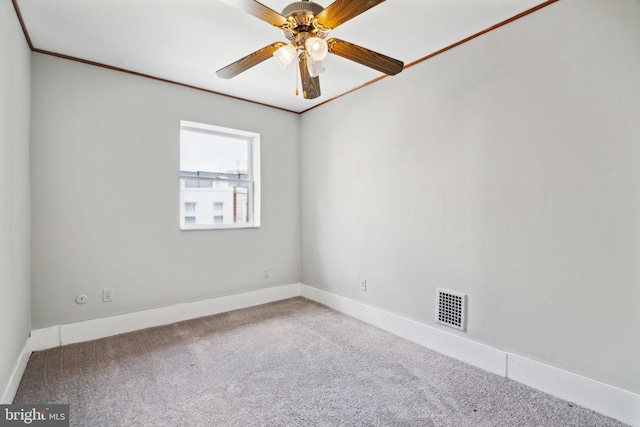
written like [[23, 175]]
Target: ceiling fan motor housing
[[301, 16]]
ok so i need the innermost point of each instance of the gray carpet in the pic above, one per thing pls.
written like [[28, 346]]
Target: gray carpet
[[289, 363]]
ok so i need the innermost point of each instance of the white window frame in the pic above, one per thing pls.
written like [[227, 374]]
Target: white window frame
[[253, 172]]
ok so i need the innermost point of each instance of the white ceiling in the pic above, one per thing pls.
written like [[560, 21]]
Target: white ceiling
[[186, 41]]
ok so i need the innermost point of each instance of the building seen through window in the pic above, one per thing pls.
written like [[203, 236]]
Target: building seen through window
[[218, 177]]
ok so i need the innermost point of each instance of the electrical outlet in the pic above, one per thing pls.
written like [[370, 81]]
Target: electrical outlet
[[265, 273], [363, 284], [82, 298], [107, 295]]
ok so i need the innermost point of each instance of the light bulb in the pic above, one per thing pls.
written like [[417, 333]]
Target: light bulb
[[285, 55], [315, 67], [316, 48]]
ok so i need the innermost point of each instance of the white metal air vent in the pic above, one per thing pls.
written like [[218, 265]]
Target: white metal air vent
[[451, 308]]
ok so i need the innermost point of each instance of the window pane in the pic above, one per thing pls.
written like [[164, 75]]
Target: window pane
[[208, 151], [221, 203], [216, 175]]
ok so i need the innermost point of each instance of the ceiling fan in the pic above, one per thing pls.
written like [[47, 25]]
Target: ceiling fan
[[306, 25]]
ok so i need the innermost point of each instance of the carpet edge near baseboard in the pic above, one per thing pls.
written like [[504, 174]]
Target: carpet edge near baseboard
[[609, 400]]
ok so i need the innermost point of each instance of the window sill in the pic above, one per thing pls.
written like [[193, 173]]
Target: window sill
[[196, 227]]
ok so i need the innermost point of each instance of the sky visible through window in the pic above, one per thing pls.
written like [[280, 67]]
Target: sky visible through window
[[210, 152]]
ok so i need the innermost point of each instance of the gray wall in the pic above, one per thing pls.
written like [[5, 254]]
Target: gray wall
[[506, 168], [15, 104], [105, 165]]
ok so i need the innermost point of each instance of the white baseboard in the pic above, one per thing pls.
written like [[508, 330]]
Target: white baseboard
[[113, 325], [44, 338], [16, 375], [471, 352], [608, 400]]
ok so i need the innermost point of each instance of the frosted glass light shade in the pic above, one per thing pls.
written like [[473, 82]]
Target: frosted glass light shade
[[285, 55], [316, 48], [315, 68]]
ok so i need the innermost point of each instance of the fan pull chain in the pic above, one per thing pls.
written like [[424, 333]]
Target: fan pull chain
[[297, 71]]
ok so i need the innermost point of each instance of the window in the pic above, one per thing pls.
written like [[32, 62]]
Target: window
[[189, 213], [194, 183], [220, 173]]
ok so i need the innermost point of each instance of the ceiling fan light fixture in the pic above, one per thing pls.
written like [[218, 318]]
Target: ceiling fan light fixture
[[315, 68], [285, 55], [316, 48], [306, 24]]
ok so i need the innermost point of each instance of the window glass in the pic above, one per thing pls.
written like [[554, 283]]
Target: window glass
[[219, 173]]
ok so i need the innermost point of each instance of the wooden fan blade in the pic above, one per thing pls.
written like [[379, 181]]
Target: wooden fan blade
[[364, 56], [340, 11], [310, 85], [248, 61], [258, 10]]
